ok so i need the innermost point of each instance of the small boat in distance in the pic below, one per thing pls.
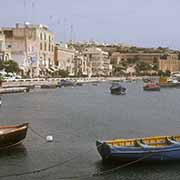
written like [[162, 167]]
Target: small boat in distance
[[117, 89], [65, 83], [12, 135], [157, 148], [151, 87], [48, 86], [0, 101]]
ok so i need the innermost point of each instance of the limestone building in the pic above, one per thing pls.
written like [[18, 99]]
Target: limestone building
[[5, 51], [100, 61], [32, 48]]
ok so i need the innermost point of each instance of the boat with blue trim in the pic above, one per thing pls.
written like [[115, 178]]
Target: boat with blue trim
[[157, 148]]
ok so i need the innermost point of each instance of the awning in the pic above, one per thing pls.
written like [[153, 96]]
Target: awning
[[53, 68], [50, 70]]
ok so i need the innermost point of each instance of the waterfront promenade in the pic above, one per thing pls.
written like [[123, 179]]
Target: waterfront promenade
[[53, 81]]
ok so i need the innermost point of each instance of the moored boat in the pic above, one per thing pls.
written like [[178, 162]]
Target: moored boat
[[151, 87], [65, 83], [168, 83], [157, 148], [12, 135], [117, 89], [48, 86], [14, 90]]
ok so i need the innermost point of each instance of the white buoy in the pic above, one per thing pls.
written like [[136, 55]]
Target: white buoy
[[49, 138]]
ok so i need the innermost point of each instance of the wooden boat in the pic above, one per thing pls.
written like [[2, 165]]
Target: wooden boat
[[78, 84], [65, 83], [48, 86], [151, 87], [14, 90], [117, 89], [158, 148], [12, 135], [170, 85]]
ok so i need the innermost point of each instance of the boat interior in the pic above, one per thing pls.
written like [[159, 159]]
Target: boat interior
[[156, 141], [8, 129]]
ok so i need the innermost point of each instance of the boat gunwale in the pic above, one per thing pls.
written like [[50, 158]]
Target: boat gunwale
[[134, 141], [13, 128]]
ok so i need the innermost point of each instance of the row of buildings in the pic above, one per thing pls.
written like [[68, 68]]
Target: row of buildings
[[165, 61], [38, 54]]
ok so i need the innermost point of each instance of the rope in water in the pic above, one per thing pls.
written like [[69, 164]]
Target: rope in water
[[102, 173], [35, 132]]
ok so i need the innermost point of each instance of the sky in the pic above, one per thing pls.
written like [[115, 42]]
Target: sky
[[145, 23]]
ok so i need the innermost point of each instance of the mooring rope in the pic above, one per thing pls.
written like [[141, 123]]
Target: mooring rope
[[35, 132], [102, 173], [92, 175]]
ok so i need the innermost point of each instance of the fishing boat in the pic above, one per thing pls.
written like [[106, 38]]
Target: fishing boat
[[117, 89], [151, 87], [65, 83], [12, 135], [157, 148], [78, 84], [168, 83], [48, 86]]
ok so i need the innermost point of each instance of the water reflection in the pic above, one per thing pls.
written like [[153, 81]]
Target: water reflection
[[18, 151]]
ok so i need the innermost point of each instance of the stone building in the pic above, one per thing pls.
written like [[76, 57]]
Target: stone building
[[83, 67], [170, 63], [64, 58], [100, 61], [150, 58], [32, 48], [5, 52]]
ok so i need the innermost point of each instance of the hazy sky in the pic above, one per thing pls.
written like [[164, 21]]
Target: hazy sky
[[149, 23]]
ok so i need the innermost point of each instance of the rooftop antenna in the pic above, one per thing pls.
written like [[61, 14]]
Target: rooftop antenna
[[33, 12], [64, 29], [71, 33]]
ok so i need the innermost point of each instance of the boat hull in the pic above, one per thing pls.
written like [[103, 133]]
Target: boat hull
[[124, 154], [117, 89], [12, 138], [170, 85], [152, 89]]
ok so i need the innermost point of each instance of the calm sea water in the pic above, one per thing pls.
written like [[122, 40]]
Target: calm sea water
[[76, 118]]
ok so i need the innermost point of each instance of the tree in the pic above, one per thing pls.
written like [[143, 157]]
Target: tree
[[10, 66], [1, 65]]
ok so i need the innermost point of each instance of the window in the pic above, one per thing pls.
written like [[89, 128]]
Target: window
[[45, 46], [41, 36], [40, 46]]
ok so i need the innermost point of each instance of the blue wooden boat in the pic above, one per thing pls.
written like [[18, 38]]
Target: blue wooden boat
[[117, 89], [157, 148]]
